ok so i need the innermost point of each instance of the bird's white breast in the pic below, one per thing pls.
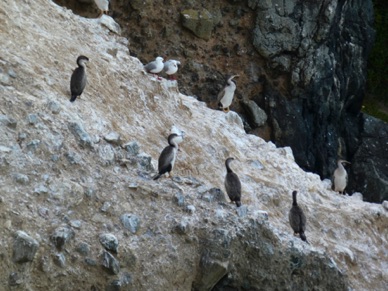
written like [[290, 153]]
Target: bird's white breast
[[102, 4], [228, 96]]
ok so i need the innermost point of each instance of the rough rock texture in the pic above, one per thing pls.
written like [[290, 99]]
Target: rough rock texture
[[169, 237], [366, 170], [303, 63]]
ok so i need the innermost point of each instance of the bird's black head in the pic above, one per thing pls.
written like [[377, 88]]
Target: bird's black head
[[82, 59], [171, 139]]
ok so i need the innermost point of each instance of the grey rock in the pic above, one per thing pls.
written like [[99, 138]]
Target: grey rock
[[214, 194], [82, 137], [130, 222], [8, 121], [182, 227], [369, 169], [54, 107], [242, 210], [61, 236], [21, 178], [190, 209], [110, 263], [32, 118], [200, 22], [4, 79], [144, 161], [73, 158], [5, 149], [256, 116], [212, 270], [114, 285], [132, 148], [60, 260], [22, 136], [12, 73], [75, 223], [113, 137], [109, 242], [107, 154], [89, 192], [90, 262], [41, 189], [105, 207], [385, 204], [83, 248], [15, 279], [24, 247], [33, 145], [179, 199]]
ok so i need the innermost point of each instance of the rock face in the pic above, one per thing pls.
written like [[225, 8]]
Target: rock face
[[304, 64], [368, 171], [178, 233]]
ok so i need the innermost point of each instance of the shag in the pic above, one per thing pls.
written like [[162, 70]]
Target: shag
[[297, 218], [232, 184], [340, 177], [167, 157], [155, 67], [103, 5], [78, 78], [225, 96], [170, 68]]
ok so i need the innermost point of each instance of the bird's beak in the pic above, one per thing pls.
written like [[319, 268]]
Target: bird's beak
[[235, 76], [346, 162]]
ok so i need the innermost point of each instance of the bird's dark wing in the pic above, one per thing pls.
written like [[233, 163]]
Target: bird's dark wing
[[165, 159], [78, 81], [233, 186], [221, 94], [150, 66]]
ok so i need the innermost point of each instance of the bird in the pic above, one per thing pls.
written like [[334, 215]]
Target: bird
[[340, 177], [103, 5], [232, 184], [78, 78], [155, 67], [225, 96], [168, 156], [170, 68], [297, 218]]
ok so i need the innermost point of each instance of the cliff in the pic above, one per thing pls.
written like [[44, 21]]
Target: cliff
[[80, 211]]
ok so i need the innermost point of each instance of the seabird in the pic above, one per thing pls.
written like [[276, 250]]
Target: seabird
[[78, 78], [340, 177], [232, 184], [167, 157], [225, 96], [155, 67], [170, 68], [297, 218], [103, 5]]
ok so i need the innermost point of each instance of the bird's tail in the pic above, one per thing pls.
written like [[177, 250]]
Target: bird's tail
[[238, 203], [73, 97], [303, 236], [156, 177]]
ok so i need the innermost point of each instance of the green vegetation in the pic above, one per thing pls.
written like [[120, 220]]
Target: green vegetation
[[376, 99]]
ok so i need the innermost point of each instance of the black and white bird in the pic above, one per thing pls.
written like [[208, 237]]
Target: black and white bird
[[297, 218], [232, 184], [103, 5], [78, 78], [340, 177], [155, 67], [170, 68], [168, 156], [226, 95]]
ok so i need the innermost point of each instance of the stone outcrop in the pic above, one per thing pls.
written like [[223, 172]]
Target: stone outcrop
[[304, 64], [95, 217]]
